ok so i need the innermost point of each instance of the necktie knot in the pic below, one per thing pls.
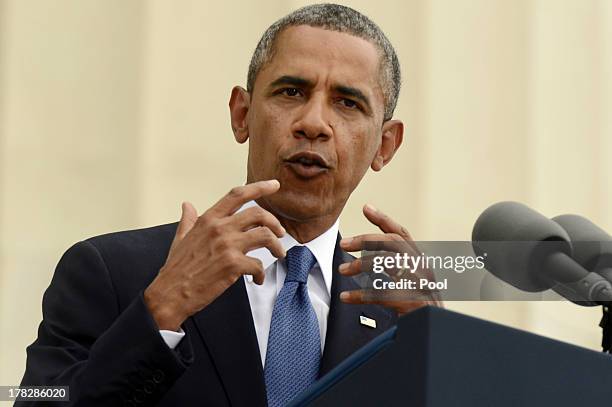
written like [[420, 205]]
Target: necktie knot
[[299, 262]]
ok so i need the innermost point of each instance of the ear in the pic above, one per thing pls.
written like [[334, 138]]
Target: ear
[[239, 104], [392, 136]]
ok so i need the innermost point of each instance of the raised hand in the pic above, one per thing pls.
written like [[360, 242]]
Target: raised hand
[[395, 238], [208, 254]]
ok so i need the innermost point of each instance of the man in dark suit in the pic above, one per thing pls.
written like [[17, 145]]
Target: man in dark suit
[[220, 308]]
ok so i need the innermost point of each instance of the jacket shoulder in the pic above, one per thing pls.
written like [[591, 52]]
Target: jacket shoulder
[[135, 239], [133, 258]]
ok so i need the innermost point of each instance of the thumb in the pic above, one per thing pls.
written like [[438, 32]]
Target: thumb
[[189, 216]]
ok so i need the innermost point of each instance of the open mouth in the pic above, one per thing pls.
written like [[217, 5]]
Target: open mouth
[[307, 164]]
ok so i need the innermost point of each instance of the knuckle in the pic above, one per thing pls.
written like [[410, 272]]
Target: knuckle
[[186, 291], [215, 228], [268, 236], [257, 265], [265, 215], [259, 215], [257, 233], [273, 222], [236, 192], [229, 279], [404, 232], [204, 219], [231, 258], [222, 243]]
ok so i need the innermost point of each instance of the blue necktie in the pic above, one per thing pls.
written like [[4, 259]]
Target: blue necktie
[[294, 345]]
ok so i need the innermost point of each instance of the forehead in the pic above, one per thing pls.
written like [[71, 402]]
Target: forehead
[[319, 54]]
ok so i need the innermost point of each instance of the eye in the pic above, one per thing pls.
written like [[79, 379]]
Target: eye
[[290, 91], [349, 103]]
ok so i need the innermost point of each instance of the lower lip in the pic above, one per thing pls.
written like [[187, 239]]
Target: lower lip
[[306, 171]]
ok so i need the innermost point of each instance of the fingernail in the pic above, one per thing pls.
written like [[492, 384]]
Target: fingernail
[[346, 241], [371, 207], [343, 267], [273, 182], [344, 295], [283, 231]]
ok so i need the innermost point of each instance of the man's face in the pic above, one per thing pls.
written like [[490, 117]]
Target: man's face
[[314, 120]]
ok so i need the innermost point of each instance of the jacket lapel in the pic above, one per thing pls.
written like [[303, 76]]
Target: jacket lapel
[[227, 328], [345, 333]]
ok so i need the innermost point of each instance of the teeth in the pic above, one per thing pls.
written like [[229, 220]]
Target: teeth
[[306, 161]]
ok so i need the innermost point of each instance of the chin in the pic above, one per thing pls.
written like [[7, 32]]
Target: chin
[[298, 207]]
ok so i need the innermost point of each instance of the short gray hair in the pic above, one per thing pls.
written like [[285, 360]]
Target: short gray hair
[[339, 18]]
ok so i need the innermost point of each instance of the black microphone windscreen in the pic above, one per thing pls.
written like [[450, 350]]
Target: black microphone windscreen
[[511, 235], [514, 221], [592, 246]]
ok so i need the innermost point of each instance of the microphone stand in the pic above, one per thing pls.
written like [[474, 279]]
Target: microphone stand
[[568, 291], [606, 327], [602, 297]]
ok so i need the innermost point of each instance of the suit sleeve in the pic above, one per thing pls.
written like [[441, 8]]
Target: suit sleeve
[[105, 355]]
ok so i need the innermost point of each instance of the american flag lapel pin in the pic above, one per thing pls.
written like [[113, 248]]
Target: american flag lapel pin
[[369, 322]]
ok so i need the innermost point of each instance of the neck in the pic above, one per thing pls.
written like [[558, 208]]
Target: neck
[[302, 230], [305, 231]]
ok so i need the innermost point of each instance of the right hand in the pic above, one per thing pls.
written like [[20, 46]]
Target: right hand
[[208, 254]]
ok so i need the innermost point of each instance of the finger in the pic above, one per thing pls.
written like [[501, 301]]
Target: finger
[[261, 236], [386, 224], [387, 242], [357, 297], [189, 216], [351, 268], [255, 268], [257, 216], [238, 196], [366, 264], [360, 265], [387, 298]]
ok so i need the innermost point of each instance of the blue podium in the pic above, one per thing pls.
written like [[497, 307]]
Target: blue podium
[[440, 358]]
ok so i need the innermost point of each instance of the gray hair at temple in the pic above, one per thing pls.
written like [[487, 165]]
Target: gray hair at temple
[[339, 18]]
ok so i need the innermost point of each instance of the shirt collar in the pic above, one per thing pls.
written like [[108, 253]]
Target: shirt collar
[[322, 247]]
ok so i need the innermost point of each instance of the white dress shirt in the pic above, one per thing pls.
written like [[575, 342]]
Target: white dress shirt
[[262, 297]]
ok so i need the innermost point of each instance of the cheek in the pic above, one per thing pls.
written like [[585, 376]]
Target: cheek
[[355, 154], [267, 139], [264, 132]]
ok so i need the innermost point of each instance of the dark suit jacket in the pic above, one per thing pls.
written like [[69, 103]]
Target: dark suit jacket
[[98, 337]]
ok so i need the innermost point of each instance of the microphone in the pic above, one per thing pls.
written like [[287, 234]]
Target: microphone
[[592, 246], [534, 253]]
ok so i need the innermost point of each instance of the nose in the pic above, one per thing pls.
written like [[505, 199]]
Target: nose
[[312, 122]]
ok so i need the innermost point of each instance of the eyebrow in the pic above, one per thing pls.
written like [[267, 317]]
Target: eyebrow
[[305, 83], [291, 80], [353, 92]]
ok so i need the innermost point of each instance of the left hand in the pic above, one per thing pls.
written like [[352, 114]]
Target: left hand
[[396, 236]]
